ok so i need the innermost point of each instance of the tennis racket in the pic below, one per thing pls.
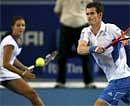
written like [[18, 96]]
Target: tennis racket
[[48, 58], [125, 35]]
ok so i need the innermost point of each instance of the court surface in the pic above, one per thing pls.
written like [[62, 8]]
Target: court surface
[[74, 95]]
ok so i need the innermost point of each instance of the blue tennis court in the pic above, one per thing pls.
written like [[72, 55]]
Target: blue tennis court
[[54, 97]]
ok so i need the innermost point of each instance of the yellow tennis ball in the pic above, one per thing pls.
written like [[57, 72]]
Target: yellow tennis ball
[[40, 62]]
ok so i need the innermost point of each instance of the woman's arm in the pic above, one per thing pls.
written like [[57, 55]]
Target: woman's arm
[[18, 64], [8, 50]]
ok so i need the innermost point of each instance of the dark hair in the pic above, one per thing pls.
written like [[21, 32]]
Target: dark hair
[[15, 18], [98, 5]]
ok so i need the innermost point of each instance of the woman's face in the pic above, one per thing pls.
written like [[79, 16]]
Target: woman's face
[[18, 28]]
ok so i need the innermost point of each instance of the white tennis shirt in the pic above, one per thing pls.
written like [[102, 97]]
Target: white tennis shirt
[[6, 74], [113, 68]]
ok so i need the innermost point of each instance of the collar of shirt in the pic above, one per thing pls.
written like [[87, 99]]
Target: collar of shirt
[[99, 36], [102, 29]]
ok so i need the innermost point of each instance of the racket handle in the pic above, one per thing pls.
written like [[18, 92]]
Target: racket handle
[[113, 42], [31, 67], [108, 46]]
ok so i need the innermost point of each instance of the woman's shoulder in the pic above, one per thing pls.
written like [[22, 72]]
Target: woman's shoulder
[[8, 40]]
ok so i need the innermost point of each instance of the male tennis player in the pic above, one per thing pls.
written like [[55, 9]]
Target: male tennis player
[[93, 40]]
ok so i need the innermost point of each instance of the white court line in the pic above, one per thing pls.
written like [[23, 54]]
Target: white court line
[[68, 84]]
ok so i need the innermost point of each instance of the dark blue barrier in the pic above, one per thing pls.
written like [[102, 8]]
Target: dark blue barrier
[[42, 33]]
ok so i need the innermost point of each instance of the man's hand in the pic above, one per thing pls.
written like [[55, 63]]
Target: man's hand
[[82, 47], [99, 49]]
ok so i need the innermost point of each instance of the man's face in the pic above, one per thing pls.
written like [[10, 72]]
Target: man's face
[[93, 17]]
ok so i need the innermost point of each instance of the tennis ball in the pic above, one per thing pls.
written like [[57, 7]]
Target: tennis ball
[[40, 62]]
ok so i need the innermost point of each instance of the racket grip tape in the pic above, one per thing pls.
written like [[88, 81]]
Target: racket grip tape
[[31, 67]]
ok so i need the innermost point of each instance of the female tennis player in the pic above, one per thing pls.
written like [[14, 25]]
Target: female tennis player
[[11, 69], [94, 39]]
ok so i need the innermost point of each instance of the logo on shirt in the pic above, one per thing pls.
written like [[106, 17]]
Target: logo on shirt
[[110, 94]]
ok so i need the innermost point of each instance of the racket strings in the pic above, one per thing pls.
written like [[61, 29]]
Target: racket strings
[[50, 57]]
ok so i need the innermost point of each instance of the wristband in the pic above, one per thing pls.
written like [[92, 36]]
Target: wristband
[[24, 73], [92, 49]]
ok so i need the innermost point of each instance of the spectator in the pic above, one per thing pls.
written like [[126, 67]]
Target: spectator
[[72, 21]]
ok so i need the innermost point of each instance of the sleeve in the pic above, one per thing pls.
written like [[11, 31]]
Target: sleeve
[[8, 41], [58, 6], [116, 31]]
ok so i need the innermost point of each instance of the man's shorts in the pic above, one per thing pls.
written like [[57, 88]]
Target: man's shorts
[[117, 90]]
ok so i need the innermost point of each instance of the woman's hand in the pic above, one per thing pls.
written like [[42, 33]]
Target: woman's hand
[[27, 74]]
